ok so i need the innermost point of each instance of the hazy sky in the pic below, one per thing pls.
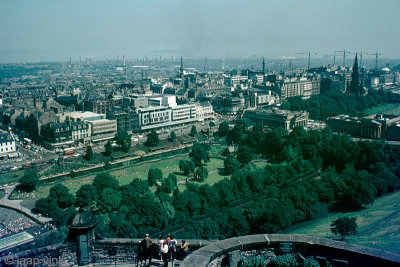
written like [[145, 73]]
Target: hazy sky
[[50, 30]]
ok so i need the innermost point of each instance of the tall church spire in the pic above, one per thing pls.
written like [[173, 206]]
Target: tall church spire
[[181, 69], [355, 79], [263, 66], [181, 74]]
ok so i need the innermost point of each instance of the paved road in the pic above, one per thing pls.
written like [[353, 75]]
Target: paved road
[[16, 204], [28, 157]]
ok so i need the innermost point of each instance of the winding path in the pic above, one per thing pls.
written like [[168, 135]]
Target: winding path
[[16, 205]]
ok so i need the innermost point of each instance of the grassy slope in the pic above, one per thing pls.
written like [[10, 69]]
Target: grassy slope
[[378, 225], [390, 109]]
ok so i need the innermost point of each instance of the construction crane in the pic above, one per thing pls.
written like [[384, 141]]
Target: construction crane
[[376, 59], [344, 55], [334, 57], [309, 57]]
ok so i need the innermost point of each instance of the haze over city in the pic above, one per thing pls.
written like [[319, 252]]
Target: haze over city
[[54, 31], [199, 133]]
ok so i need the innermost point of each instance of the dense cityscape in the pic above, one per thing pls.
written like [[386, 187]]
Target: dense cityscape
[[64, 121], [199, 133]]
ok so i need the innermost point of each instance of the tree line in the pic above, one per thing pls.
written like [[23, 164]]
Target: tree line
[[305, 169], [333, 103]]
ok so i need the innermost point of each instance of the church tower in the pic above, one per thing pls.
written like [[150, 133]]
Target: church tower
[[181, 69], [263, 67]]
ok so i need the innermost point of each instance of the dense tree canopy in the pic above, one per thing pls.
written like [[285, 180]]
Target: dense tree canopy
[[172, 136], [152, 139], [169, 184], [305, 170], [333, 103], [201, 174], [61, 195], [46, 207], [223, 129], [186, 166], [154, 175], [200, 153], [234, 136], [193, 130], [105, 180], [89, 153], [231, 164], [252, 199], [123, 139], [108, 149], [86, 196], [57, 205], [29, 181], [109, 200], [244, 155]]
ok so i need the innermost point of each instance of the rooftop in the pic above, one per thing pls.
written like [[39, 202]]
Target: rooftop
[[5, 137], [81, 220], [83, 114]]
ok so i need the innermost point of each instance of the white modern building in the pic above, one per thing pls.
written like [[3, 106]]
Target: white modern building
[[183, 112], [102, 126], [172, 115], [151, 117], [233, 80]]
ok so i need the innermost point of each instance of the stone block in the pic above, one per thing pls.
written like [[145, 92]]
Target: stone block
[[250, 241], [234, 258], [229, 245]]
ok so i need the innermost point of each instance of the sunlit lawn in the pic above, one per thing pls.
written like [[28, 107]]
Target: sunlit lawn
[[126, 175], [167, 166], [372, 225], [211, 180], [389, 108]]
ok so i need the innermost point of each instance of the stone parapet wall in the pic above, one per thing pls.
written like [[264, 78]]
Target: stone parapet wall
[[115, 250], [122, 250], [329, 249]]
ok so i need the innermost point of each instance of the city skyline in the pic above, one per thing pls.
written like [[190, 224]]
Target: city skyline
[[55, 31]]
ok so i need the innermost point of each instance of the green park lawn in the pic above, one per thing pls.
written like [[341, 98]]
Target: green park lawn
[[378, 225], [217, 149], [11, 177], [126, 175], [389, 108]]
